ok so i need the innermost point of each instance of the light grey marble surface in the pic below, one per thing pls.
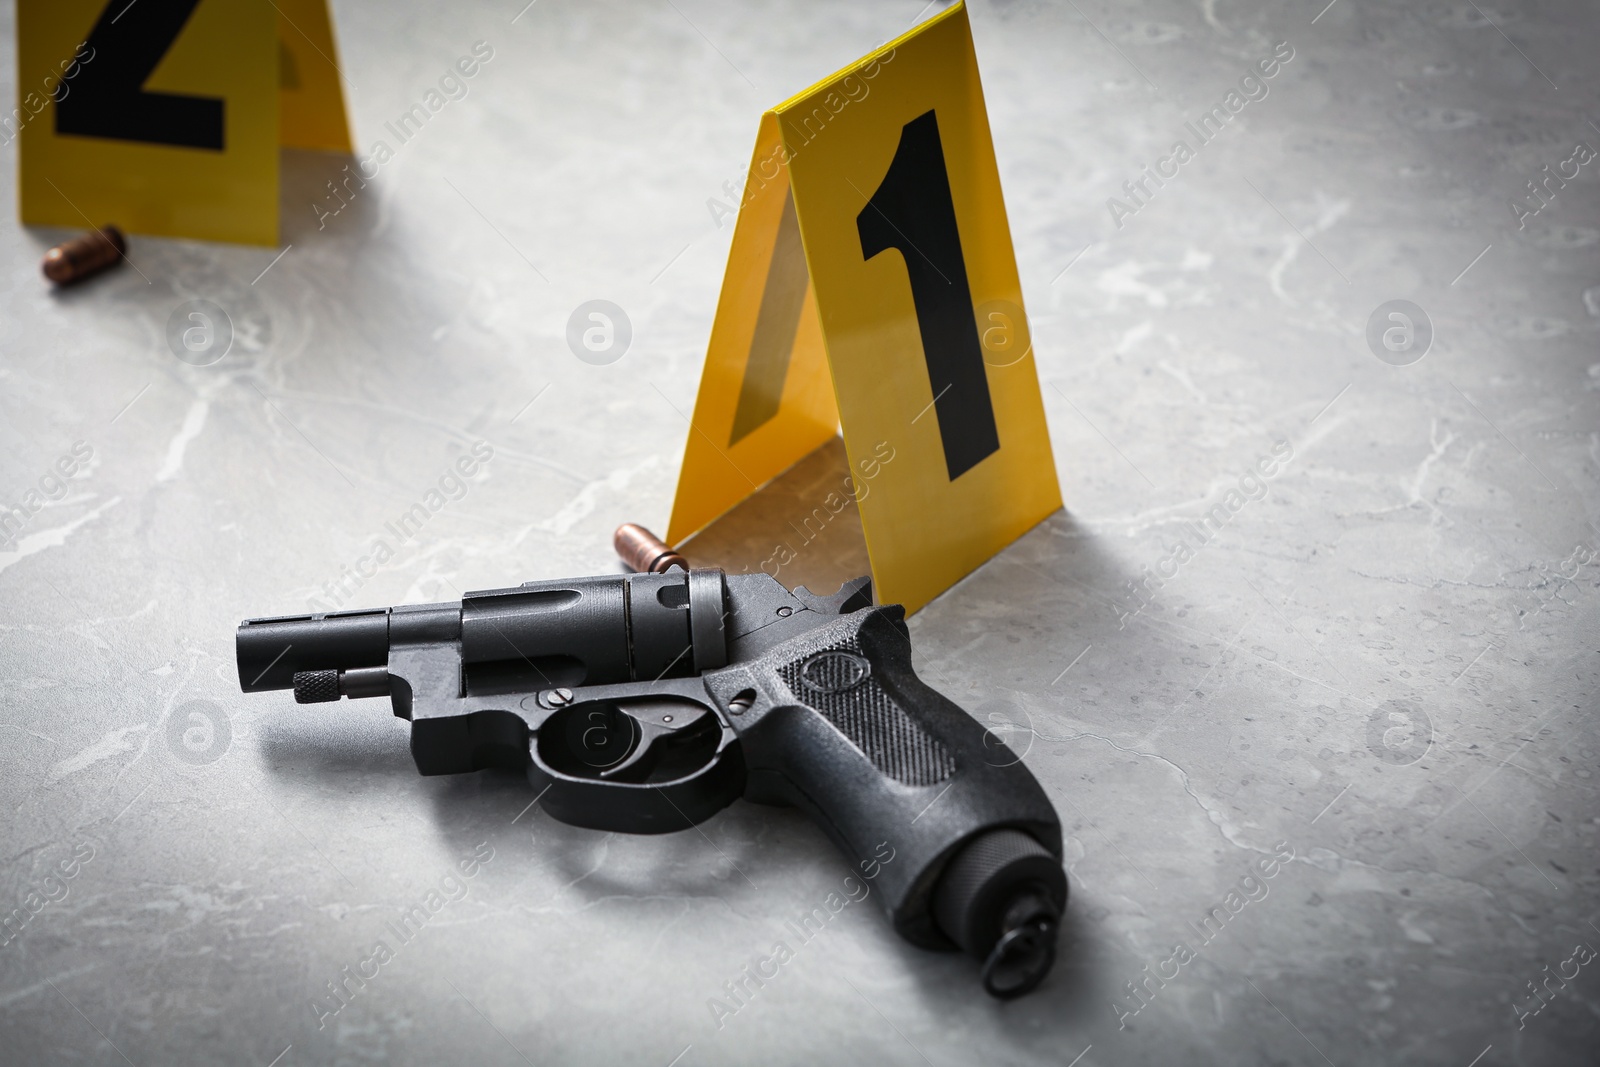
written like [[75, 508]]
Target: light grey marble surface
[[1387, 665]]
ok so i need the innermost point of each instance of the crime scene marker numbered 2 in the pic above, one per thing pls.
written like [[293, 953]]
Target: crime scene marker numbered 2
[[872, 285], [165, 116]]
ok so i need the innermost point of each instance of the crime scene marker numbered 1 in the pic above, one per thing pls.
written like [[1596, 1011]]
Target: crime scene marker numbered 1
[[165, 116], [872, 283]]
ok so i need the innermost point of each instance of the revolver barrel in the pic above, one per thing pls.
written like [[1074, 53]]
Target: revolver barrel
[[272, 651], [540, 635], [345, 653]]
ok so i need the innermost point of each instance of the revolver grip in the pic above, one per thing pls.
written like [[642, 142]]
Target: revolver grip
[[837, 723]]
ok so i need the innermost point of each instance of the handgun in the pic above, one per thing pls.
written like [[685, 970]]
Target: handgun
[[647, 702]]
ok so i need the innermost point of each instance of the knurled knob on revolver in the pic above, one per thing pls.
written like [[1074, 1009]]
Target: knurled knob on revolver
[[316, 687]]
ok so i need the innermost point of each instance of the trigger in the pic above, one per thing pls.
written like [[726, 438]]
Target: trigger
[[659, 720]]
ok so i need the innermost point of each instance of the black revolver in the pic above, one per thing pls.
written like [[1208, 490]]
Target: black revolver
[[645, 703]]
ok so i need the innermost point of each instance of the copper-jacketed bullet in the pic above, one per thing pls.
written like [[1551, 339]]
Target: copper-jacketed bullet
[[80, 257], [644, 551]]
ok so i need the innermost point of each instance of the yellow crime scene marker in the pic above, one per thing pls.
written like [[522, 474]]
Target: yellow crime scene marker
[[872, 290], [165, 116]]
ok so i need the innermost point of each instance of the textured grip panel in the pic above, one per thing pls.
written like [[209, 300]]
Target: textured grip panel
[[838, 683], [316, 687]]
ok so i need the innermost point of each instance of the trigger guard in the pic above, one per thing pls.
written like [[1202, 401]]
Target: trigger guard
[[640, 807]]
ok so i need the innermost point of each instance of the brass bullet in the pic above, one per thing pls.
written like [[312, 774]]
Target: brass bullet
[[82, 256], [644, 551]]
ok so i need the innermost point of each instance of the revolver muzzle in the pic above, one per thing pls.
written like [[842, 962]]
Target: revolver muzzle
[[272, 651]]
